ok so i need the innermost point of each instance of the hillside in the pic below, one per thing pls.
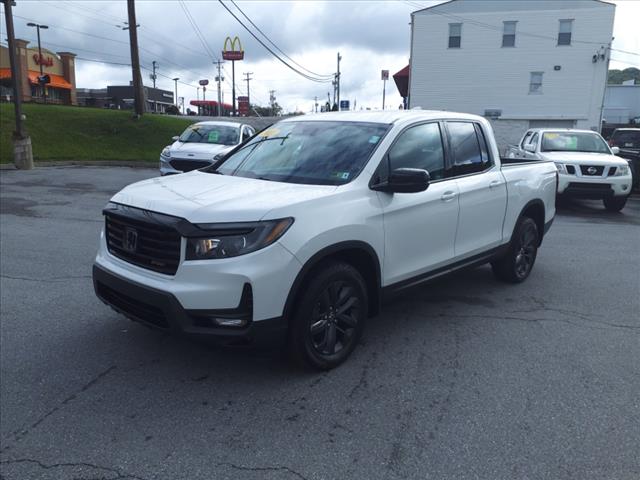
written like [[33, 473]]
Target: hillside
[[77, 133]]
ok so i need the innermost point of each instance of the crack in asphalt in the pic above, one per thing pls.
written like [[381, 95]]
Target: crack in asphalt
[[50, 279], [604, 325], [119, 475], [261, 469], [20, 434]]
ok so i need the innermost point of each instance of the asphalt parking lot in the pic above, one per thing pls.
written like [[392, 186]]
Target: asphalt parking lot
[[463, 378]]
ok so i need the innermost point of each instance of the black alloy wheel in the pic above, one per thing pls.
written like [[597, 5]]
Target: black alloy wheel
[[516, 265], [335, 318], [329, 316]]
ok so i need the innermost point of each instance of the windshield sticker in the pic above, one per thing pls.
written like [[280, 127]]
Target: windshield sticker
[[374, 138], [551, 136], [213, 136], [270, 132], [342, 175]]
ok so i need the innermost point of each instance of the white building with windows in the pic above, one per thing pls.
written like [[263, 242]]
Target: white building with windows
[[524, 64]]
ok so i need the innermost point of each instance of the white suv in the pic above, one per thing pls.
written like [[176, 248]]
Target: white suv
[[299, 234]]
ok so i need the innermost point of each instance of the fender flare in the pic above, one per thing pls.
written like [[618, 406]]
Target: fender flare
[[329, 251]]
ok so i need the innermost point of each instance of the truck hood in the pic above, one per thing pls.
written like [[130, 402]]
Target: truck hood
[[209, 198], [198, 151], [584, 158]]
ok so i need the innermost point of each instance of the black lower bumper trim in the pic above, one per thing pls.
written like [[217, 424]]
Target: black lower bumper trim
[[162, 310]]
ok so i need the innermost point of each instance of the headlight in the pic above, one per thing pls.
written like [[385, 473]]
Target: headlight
[[233, 240], [561, 168], [166, 152], [622, 171]]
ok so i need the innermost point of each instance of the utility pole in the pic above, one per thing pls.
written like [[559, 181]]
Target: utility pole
[[272, 101], [198, 93], [138, 92], [338, 83], [175, 81], [41, 80], [22, 153], [219, 79], [154, 64], [315, 100], [247, 80]]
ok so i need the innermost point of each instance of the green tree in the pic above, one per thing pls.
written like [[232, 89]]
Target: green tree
[[616, 77]]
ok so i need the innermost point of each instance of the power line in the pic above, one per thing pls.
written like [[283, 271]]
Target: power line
[[625, 52], [278, 48], [302, 74], [196, 29]]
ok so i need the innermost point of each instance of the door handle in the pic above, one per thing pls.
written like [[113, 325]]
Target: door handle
[[446, 196], [495, 183]]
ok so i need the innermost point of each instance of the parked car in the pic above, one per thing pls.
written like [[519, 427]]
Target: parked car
[[587, 166], [302, 232], [200, 144], [628, 142]]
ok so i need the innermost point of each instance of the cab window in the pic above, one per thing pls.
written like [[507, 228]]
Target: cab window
[[466, 149], [419, 147]]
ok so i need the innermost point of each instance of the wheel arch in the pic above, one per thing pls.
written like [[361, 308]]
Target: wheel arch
[[360, 255], [535, 210]]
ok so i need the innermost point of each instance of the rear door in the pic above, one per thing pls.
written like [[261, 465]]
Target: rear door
[[420, 227], [481, 186]]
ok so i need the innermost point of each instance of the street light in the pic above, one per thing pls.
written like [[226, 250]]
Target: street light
[[176, 88], [40, 80]]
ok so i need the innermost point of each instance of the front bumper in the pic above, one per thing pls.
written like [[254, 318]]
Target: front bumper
[[166, 168], [595, 188], [162, 310]]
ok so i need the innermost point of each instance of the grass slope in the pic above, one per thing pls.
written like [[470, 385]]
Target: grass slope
[[80, 133]]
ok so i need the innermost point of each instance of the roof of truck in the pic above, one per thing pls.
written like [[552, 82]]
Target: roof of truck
[[385, 117]]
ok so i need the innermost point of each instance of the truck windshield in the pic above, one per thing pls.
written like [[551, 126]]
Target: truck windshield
[[218, 134], [573, 142], [309, 152]]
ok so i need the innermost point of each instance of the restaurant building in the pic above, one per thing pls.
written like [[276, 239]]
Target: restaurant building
[[60, 67]]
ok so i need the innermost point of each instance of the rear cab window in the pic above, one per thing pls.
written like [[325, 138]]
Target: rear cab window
[[469, 152]]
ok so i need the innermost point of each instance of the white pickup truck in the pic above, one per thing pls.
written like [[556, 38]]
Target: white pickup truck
[[587, 166], [300, 233]]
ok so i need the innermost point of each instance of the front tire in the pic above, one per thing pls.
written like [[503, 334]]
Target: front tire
[[329, 317], [614, 204], [516, 265]]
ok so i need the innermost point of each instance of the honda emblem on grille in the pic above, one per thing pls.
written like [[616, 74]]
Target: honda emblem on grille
[[592, 170], [130, 240]]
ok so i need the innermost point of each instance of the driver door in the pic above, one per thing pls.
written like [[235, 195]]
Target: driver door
[[419, 228]]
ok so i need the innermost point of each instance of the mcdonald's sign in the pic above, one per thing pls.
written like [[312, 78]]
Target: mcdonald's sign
[[232, 53]]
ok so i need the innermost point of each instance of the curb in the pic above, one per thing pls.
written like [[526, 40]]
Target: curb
[[86, 163]]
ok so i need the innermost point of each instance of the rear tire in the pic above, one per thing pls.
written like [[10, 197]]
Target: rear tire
[[614, 204], [329, 317], [516, 265]]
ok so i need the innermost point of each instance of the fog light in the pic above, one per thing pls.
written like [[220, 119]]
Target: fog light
[[624, 187], [230, 322]]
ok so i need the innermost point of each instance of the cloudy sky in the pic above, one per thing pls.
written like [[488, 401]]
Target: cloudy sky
[[370, 36]]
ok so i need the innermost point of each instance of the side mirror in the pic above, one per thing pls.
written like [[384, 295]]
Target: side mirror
[[175, 138], [615, 150], [530, 148], [405, 180]]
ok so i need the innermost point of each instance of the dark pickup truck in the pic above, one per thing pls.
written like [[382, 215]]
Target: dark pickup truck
[[628, 141]]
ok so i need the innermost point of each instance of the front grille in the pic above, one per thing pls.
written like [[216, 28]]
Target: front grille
[[155, 246], [186, 165], [612, 171], [597, 173], [130, 306]]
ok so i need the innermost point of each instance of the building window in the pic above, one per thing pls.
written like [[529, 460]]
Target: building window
[[509, 34], [455, 35], [564, 33], [535, 83]]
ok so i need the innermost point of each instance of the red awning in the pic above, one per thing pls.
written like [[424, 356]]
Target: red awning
[[57, 81], [402, 81]]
